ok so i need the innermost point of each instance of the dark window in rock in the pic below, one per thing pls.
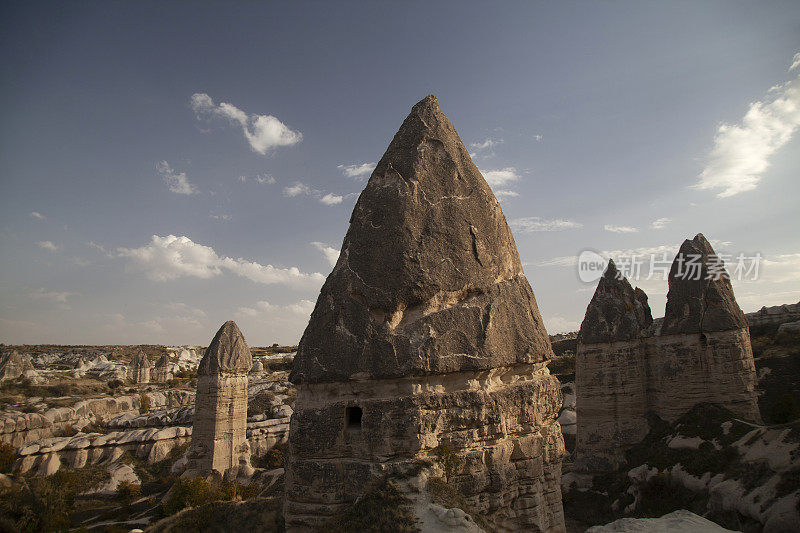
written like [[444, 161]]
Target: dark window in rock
[[353, 417]]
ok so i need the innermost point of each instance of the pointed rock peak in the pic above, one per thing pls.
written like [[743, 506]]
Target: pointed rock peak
[[611, 270], [617, 312], [700, 297], [427, 239], [429, 103], [228, 352]]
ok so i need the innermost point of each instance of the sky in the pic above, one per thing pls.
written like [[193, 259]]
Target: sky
[[168, 166]]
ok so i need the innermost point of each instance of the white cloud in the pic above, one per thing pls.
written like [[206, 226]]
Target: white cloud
[[263, 309], [498, 178], [243, 179], [357, 170], [37, 216], [52, 296], [49, 245], [619, 229], [297, 189], [795, 62], [536, 224], [300, 188], [265, 179], [559, 324], [505, 193], [180, 307], [331, 254], [660, 223], [537, 138], [176, 182], [487, 144], [742, 152], [223, 217], [331, 199], [263, 132], [171, 257]]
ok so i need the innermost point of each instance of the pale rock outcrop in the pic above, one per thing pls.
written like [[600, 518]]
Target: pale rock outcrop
[[220, 417], [139, 371], [13, 365], [49, 454], [681, 520], [775, 315], [426, 333], [624, 372], [162, 371]]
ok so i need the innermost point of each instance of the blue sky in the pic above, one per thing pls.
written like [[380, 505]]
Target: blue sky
[[168, 166]]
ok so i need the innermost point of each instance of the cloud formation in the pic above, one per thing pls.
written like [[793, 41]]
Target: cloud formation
[[487, 144], [742, 152], [330, 253], [171, 257], [263, 132], [300, 188], [537, 224], [37, 216], [303, 308], [619, 229], [177, 182], [501, 177], [660, 223], [48, 245], [357, 171]]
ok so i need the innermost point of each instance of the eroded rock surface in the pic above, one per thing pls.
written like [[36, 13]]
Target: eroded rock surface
[[625, 373], [220, 415], [426, 333]]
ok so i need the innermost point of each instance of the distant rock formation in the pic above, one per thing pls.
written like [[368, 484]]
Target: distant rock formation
[[775, 315], [426, 333], [625, 370], [139, 371], [162, 372], [220, 416], [14, 365]]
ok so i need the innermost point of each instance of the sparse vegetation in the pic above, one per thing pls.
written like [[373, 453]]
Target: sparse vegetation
[[8, 454], [197, 491], [384, 509], [448, 460], [270, 460], [260, 403], [144, 403], [45, 503]]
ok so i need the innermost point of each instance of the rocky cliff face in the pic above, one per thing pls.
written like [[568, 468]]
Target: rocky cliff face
[[426, 333], [220, 416], [624, 373], [700, 297]]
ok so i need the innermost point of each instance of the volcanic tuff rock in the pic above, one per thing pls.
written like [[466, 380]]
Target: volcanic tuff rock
[[625, 373], [429, 279], [14, 365], [700, 297], [426, 334], [139, 371], [228, 352], [220, 415], [617, 312]]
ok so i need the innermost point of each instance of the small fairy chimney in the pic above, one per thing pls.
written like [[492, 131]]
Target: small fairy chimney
[[220, 418]]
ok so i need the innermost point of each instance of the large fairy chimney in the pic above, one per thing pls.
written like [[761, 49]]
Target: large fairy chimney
[[625, 371], [220, 415], [426, 333], [161, 371]]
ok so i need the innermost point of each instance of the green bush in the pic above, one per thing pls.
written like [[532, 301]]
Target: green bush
[[271, 460], [45, 503], [128, 490], [448, 460], [197, 491]]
